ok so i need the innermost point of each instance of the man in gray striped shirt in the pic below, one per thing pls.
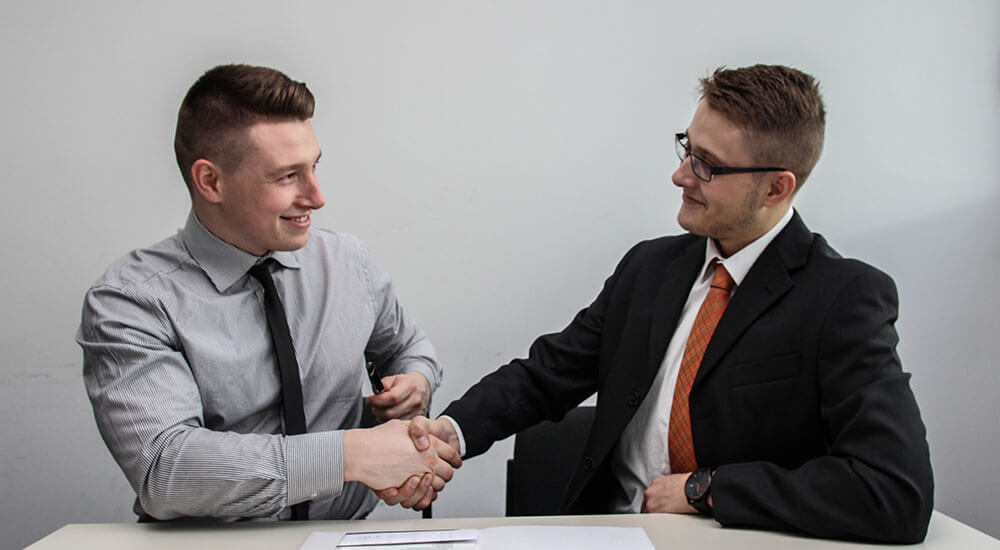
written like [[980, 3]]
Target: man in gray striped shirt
[[178, 362]]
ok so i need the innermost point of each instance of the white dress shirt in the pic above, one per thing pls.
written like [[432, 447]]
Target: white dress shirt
[[642, 455]]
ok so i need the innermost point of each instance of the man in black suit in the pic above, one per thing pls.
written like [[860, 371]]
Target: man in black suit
[[800, 416]]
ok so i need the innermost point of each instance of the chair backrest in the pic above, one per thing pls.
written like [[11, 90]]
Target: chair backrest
[[545, 458]]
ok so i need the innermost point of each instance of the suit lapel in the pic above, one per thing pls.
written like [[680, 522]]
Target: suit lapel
[[670, 297], [766, 282]]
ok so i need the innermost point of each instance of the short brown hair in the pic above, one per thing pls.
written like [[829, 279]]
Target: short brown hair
[[780, 109], [226, 101]]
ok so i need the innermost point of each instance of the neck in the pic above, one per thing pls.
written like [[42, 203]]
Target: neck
[[768, 219]]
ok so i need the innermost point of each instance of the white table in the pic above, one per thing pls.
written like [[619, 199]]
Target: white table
[[666, 531]]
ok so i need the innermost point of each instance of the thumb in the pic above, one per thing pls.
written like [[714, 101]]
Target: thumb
[[420, 434]]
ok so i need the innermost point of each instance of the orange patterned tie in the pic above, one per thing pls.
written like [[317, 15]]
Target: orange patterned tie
[[679, 442]]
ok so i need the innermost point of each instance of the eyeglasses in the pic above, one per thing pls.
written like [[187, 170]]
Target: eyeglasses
[[703, 169]]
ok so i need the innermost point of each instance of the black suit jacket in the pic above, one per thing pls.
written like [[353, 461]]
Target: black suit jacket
[[800, 401]]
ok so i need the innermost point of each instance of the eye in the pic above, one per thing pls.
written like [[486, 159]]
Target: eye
[[289, 176]]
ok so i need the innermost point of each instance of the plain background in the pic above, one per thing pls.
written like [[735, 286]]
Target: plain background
[[499, 157]]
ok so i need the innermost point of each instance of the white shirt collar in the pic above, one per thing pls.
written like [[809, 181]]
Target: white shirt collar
[[739, 264], [222, 262]]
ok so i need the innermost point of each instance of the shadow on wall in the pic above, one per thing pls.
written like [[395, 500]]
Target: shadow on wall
[[945, 267]]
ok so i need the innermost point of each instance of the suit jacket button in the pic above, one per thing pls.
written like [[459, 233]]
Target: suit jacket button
[[632, 398], [588, 463]]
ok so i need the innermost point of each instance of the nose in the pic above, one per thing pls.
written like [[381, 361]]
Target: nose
[[683, 176], [311, 196]]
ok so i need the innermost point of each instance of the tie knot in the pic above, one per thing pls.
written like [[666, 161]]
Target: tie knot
[[722, 279], [262, 271]]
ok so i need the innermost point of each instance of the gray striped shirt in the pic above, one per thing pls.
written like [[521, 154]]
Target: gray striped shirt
[[179, 367]]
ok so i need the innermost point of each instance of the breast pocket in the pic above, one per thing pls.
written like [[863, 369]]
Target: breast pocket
[[775, 403], [765, 383]]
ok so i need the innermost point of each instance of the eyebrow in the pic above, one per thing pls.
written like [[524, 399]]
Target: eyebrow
[[704, 153], [292, 167]]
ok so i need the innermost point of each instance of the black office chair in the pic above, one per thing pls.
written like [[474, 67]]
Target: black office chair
[[545, 457]]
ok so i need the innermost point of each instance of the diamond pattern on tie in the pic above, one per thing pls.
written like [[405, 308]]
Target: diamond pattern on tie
[[679, 442]]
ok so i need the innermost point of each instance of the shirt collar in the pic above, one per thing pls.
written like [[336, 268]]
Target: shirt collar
[[739, 264], [222, 262]]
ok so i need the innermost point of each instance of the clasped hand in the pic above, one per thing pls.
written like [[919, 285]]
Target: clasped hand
[[419, 491], [386, 458]]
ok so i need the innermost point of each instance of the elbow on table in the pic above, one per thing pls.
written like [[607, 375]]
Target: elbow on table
[[198, 499], [905, 521]]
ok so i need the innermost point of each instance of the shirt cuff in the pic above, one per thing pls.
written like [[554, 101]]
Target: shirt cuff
[[458, 432], [314, 466]]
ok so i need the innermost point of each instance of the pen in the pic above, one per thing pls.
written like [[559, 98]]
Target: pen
[[375, 378]]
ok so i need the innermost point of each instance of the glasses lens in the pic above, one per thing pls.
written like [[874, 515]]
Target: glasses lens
[[680, 146], [701, 168]]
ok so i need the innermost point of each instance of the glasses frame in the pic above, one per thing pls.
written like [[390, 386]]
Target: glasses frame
[[683, 149]]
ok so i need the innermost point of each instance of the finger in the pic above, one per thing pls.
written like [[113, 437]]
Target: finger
[[410, 491], [395, 384], [448, 453], [405, 491], [401, 411], [438, 484], [445, 431], [407, 408], [386, 399], [443, 470], [421, 492], [426, 502], [387, 495], [420, 433], [413, 499]]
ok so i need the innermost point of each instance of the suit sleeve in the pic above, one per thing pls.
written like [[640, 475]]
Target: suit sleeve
[[876, 482], [561, 370]]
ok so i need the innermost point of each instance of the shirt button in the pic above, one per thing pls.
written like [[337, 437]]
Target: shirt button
[[632, 398], [588, 463]]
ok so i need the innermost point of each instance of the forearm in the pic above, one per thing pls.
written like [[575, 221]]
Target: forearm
[[559, 372], [830, 497], [201, 473]]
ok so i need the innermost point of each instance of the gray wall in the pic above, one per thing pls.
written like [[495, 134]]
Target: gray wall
[[499, 157]]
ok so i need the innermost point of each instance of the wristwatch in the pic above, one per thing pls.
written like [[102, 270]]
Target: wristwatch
[[697, 488]]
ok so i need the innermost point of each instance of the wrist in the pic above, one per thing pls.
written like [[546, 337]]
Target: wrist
[[698, 490], [354, 454], [452, 434]]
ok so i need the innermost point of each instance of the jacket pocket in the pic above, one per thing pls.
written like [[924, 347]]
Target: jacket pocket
[[763, 371]]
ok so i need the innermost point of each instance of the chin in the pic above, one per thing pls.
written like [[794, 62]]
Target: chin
[[688, 225], [291, 244]]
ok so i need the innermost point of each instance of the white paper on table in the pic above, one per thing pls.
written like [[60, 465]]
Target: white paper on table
[[522, 537], [444, 539], [322, 540], [546, 537]]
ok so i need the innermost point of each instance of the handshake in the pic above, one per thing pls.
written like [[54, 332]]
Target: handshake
[[406, 462]]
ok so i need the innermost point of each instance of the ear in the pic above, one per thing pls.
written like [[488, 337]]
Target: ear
[[205, 180], [781, 188]]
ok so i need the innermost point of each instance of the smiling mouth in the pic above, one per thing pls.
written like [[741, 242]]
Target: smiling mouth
[[688, 199], [297, 219]]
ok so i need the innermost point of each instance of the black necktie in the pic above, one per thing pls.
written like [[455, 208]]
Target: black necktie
[[291, 386]]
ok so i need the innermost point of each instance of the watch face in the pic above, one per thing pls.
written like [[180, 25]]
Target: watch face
[[697, 484]]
